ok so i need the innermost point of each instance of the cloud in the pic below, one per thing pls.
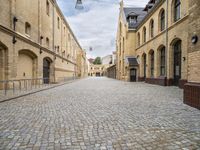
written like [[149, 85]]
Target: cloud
[[96, 25]]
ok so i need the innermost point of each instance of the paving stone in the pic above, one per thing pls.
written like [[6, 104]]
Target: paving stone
[[100, 114]]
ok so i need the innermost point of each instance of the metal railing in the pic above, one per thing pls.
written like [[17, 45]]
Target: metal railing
[[23, 84], [10, 88]]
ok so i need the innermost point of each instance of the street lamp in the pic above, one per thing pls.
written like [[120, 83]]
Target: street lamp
[[79, 4]]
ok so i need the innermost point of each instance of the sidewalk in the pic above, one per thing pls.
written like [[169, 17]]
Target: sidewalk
[[17, 93]]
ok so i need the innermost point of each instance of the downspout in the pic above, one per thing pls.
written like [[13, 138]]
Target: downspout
[[166, 50], [53, 42]]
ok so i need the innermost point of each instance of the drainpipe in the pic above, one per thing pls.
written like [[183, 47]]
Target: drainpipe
[[166, 50], [53, 42]]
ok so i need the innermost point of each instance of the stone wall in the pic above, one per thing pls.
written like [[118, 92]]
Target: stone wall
[[46, 37], [192, 89]]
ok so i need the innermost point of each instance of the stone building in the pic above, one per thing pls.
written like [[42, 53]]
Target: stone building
[[96, 70], [159, 44], [152, 43], [36, 41], [106, 59], [111, 71]]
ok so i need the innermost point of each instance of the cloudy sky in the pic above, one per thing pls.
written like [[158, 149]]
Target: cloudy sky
[[96, 25]]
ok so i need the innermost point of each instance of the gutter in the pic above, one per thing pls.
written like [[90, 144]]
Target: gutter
[[166, 47]]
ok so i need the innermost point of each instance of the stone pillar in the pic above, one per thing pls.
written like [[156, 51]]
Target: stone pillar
[[192, 88]]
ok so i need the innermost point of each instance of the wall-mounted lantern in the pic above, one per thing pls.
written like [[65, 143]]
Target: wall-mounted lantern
[[194, 39]]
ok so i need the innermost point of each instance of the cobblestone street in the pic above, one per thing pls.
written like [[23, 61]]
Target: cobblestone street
[[100, 114]]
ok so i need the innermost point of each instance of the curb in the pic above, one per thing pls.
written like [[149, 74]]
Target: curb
[[30, 93]]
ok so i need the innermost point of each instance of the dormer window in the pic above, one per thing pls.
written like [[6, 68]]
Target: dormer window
[[132, 18]]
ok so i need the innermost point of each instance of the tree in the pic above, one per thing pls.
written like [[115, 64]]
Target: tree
[[97, 61]]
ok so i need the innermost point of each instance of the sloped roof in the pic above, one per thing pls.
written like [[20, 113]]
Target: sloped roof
[[137, 11]]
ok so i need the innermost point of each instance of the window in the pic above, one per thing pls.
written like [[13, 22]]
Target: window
[[162, 61], [144, 34], [138, 38], [47, 42], [58, 21], [162, 20], [152, 63], [152, 29], [177, 10], [27, 28], [47, 7]]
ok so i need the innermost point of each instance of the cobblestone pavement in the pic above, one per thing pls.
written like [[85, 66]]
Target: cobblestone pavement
[[100, 114]]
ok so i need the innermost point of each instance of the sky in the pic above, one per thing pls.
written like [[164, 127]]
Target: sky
[[95, 26]]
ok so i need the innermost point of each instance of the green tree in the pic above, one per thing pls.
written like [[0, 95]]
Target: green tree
[[97, 61]]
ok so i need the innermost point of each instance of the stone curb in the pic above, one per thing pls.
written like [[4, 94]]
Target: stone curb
[[30, 93]]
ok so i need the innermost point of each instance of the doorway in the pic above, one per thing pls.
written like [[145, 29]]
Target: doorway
[[133, 75], [177, 62], [46, 70]]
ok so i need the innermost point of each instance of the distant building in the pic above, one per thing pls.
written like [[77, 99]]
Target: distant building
[[91, 60], [107, 60], [96, 70]]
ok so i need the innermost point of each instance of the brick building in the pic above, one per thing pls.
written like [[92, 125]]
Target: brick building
[[192, 88], [154, 43]]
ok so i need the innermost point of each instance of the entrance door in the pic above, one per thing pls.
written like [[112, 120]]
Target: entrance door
[[46, 70], [177, 63], [133, 75], [98, 74]]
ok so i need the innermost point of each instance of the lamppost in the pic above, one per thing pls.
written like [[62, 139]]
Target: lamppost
[[79, 4]]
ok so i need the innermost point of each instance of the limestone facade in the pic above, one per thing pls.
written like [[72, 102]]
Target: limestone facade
[[36, 41], [82, 63]]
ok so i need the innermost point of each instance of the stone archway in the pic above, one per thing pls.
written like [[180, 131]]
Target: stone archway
[[3, 63], [27, 65]]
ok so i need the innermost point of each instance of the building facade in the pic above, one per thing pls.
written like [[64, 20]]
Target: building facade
[[159, 37], [96, 70], [36, 41], [111, 71], [165, 47], [82, 64], [106, 59]]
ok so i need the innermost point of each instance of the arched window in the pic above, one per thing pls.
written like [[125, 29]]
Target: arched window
[[162, 61], [47, 42], [58, 22], [152, 63], [162, 20], [27, 28], [47, 7], [144, 34], [138, 39], [152, 28], [177, 10]]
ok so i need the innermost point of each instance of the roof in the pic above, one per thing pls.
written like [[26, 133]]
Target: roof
[[137, 11], [132, 61]]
